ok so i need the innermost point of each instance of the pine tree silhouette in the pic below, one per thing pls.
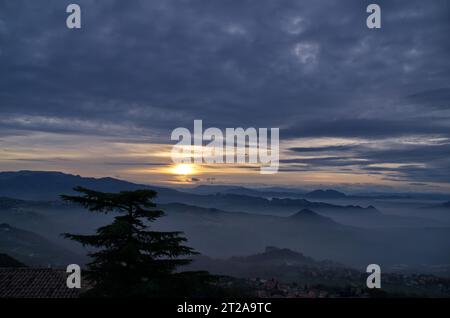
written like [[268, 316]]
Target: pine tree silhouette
[[130, 260]]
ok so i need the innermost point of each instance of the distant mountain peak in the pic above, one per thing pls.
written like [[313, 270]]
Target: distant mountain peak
[[305, 212], [310, 216], [8, 261], [282, 256], [49, 185], [33, 249], [275, 254], [284, 252]]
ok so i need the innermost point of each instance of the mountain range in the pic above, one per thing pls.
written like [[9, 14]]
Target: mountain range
[[32, 249], [48, 186], [221, 224]]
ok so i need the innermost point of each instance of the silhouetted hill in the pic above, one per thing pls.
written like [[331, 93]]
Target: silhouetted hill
[[217, 232], [325, 194], [275, 255], [256, 192], [49, 185], [281, 263], [322, 206], [260, 205], [9, 203], [8, 261], [329, 194], [282, 272], [220, 233], [307, 215], [213, 189], [33, 249]]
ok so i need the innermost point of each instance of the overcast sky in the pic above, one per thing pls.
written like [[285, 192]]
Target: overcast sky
[[361, 108]]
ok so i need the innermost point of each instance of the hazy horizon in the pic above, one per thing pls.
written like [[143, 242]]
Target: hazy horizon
[[353, 189]]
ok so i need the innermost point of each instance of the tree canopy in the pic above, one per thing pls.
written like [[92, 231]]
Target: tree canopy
[[129, 259]]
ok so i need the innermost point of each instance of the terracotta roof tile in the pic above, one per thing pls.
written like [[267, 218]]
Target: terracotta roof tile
[[34, 283]]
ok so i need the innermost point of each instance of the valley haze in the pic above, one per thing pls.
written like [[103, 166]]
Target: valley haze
[[398, 232]]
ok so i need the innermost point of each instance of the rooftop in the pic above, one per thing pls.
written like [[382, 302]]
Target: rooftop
[[24, 282]]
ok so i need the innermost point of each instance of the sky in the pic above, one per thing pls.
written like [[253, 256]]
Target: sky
[[357, 109]]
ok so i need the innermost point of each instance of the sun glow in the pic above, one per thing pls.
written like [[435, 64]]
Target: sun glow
[[183, 169]]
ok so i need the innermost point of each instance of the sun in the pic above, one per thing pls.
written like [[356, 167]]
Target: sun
[[183, 169]]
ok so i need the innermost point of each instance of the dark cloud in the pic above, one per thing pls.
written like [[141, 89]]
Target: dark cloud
[[369, 128], [322, 149], [439, 98], [326, 162], [402, 162], [142, 164]]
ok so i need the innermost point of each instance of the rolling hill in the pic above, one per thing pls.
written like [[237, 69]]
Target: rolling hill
[[45, 186], [33, 249]]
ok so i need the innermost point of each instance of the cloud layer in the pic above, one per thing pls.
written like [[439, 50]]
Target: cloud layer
[[136, 70]]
